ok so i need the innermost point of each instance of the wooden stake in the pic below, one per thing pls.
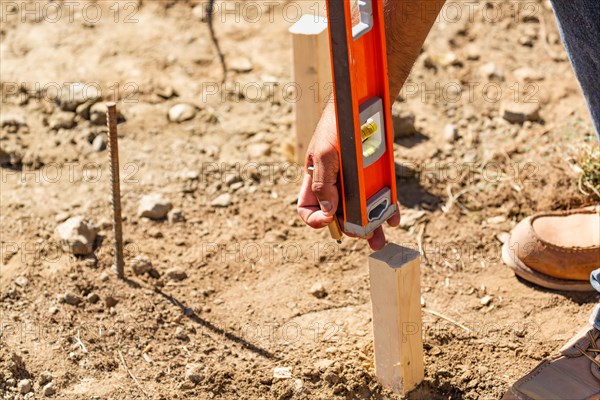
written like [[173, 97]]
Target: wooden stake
[[396, 298], [312, 76]]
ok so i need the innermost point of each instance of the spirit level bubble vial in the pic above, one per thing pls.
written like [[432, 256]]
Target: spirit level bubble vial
[[364, 123]]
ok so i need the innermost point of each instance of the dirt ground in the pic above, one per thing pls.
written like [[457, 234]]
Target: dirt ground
[[230, 293]]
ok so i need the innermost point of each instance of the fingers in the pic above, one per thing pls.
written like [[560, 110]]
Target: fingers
[[394, 220], [308, 209], [377, 240]]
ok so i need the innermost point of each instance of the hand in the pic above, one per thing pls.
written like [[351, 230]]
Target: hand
[[318, 199]]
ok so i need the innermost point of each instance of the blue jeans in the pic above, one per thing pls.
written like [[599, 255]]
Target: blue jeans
[[579, 25]]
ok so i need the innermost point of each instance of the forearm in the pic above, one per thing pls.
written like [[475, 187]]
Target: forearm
[[407, 23]]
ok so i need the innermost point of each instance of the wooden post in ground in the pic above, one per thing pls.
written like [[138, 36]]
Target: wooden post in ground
[[396, 298], [311, 75]]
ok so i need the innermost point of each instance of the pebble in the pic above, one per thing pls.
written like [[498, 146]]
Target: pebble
[[485, 300], [223, 200], [181, 335], [240, 64], [92, 298], [21, 281], [48, 389], [140, 265], [74, 95], [62, 120], [318, 290], [182, 112], [83, 110], [472, 51], [98, 113], [24, 386], [498, 219], [257, 150], [110, 301], [520, 112], [176, 274], [450, 133], [154, 206], [526, 74], [100, 142], [45, 377], [175, 216], [77, 235], [282, 372], [403, 121], [193, 373], [323, 364], [12, 120], [52, 310], [491, 71], [71, 299]]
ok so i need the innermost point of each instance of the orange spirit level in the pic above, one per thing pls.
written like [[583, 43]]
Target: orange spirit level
[[362, 105]]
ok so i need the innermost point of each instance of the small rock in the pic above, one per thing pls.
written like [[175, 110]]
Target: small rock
[[517, 113], [12, 120], [257, 150], [526, 74], [181, 335], [318, 290], [21, 281], [52, 310], [110, 301], [223, 200], [140, 265], [154, 206], [323, 364], [193, 373], [282, 372], [77, 235], [182, 112], [240, 64], [45, 377], [83, 110], [450, 133], [98, 113], [232, 177], [100, 142], [472, 52], [48, 390], [62, 120], [175, 216], [76, 94], [175, 274], [498, 219], [71, 299], [403, 121], [92, 298], [491, 71], [485, 300], [410, 217], [24, 386]]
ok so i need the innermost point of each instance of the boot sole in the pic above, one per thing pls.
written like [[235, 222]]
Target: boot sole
[[540, 279]]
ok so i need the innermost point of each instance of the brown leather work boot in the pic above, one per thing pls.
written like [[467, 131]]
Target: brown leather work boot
[[574, 375], [556, 250]]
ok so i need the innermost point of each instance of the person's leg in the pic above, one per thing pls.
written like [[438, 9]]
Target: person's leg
[[579, 25]]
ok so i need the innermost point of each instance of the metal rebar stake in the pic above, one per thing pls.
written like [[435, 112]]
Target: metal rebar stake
[[111, 120]]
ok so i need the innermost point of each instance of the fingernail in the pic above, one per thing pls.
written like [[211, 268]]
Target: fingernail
[[326, 206]]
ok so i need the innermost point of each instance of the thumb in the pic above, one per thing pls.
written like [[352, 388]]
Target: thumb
[[324, 182]]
